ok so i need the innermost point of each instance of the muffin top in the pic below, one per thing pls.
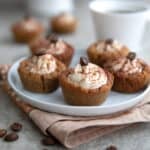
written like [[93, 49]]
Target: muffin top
[[88, 75], [50, 45], [64, 18], [127, 65], [43, 64], [108, 45], [28, 24]]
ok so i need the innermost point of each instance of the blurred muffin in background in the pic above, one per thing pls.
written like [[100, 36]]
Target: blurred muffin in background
[[63, 23], [27, 29], [60, 49]]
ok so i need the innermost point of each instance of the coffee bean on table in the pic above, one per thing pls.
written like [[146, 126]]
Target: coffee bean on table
[[11, 137], [3, 132], [16, 127], [48, 141], [111, 147]]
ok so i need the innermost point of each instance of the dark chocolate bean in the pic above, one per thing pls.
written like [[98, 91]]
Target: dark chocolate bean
[[11, 137], [111, 147], [16, 127], [48, 141], [83, 61], [3, 132], [131, 56]]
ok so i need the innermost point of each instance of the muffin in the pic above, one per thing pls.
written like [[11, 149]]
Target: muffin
[[54, 46], [63, 23], [85, 85], [40, 73], [102, 51], [131, 74], [27, 29]]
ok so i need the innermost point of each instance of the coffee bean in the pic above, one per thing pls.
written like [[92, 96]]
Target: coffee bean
[[52, 38], [11, 137], [48, 141], [16, 127], [111, 147], [83, 61], [40, 52], [131, 56], [3, 132], [109, 41]]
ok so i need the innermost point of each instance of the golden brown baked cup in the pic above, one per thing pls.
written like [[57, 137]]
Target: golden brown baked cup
[[101, 57], [40, 83], [43, 45], [129, 82], [63, 23], [76, 95], [27, 30]]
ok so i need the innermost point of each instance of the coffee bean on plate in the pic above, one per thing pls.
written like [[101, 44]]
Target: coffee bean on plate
[[16, 127], [11, 137], [3, 132]]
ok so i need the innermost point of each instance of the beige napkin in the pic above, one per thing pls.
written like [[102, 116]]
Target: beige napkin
[[73, 131]]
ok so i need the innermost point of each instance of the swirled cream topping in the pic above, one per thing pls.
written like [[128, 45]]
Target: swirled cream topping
[[126, 65], [57, 48], [90, 76], [42, 64], [108, 45]]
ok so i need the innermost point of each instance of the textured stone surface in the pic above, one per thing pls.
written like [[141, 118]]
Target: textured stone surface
[[136, 137]]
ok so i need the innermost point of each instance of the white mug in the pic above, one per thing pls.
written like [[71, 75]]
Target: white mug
[[49, 7], [120, 20]]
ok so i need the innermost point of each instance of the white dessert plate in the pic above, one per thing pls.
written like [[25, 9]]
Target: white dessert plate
[[54, 102]]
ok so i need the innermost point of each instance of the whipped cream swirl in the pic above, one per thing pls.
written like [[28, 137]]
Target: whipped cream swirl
[[90, 76], [42, 64], [125, 65], [104, 46]]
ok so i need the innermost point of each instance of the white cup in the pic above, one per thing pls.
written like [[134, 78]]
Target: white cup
[[49, 7], [120, 20]]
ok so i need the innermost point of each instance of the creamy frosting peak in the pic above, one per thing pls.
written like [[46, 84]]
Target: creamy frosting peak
[[126, 65], [90, 76], [105, 46], [42, 64]]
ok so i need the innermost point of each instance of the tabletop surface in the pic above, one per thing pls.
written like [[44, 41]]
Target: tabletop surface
[[135, 137]]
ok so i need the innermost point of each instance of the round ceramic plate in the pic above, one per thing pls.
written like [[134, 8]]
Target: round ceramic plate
[[54, 102]]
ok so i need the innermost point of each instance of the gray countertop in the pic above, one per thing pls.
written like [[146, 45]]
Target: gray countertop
[[136, 137]]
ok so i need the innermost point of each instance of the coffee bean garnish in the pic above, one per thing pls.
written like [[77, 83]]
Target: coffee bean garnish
[[40, 52], [109, 41], [131, 56], [112, 147], [48, 141], [52, 38], [83, 61], [16, 127], [3, 132], [11, 137]]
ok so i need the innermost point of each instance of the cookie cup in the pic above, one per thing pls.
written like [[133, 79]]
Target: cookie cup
[[76, 95], [40, 83]]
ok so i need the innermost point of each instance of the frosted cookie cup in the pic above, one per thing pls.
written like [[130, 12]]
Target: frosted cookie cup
[[105, 50], [40, 73], [86, 84], [131, 74]]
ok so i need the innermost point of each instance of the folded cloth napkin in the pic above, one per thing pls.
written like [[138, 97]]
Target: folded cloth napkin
[[73, 131]]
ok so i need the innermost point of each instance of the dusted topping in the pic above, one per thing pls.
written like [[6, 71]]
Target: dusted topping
[[108, 45], [126, 65], [42, 64], [88, 76]]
